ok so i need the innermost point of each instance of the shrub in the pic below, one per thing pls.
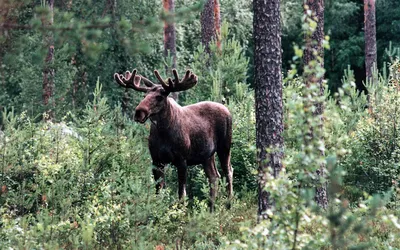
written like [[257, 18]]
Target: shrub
[[220, 72], [373, 166]]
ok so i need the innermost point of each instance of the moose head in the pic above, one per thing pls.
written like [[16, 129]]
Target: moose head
[[156, 94]]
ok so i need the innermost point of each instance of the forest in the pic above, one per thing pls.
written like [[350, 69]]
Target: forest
[[312, 87]]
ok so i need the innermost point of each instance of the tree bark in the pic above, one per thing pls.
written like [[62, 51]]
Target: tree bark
[[314, 51], [370, 37], [268, 94], [48, 71], [210, 24], [169, 33], [170, 39], [208, 32], [217, 22]]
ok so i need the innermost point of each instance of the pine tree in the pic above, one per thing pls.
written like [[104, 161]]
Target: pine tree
[[169, 33], [217, 22], [169, 39], [209, 20], [370, 37], [268, 94], [314, 53], [48, 71]]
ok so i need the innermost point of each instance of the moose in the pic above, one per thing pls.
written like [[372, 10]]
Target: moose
[[182, 136]]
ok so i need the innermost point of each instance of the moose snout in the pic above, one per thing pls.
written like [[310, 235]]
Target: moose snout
[[141, 115]]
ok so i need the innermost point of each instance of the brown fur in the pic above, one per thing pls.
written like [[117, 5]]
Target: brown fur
[[185, 136]]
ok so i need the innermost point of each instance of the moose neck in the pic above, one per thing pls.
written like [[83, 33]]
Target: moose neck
[[167, 118]]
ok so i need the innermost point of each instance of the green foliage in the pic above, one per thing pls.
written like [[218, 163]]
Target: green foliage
[[90, 40], [219, 72], [296, 220], [387, 29], [240, 17], [86, 183], [373, 164], [347, 42], [347, 39], [243, 151]]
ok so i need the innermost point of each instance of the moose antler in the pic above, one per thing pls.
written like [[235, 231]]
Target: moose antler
[[188, 81], [147, 82], [132, 81]]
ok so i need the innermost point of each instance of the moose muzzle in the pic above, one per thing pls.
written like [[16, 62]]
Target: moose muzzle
[[141, 115]]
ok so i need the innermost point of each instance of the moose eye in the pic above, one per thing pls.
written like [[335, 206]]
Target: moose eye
[[159, 98]]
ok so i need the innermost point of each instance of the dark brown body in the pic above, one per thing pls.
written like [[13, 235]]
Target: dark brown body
[[192, 132], [191, 135]]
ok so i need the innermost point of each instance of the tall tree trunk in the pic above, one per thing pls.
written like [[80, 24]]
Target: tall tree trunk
[[370, 37], [314, 51], [48, 71], [210, 24], [169, 33], [169, 39], [208, 32], [268, 94], [217, 22]]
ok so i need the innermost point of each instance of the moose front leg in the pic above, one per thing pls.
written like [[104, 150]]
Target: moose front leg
[[158, 173]]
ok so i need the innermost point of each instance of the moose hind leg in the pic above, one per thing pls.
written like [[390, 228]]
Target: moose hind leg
[[159, 176], [225, 160], [212, 175]]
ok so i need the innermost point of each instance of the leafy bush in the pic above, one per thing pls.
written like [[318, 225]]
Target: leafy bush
[[296, 221], [373, 166], [243, 151], [87, 183], [220, 72]]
